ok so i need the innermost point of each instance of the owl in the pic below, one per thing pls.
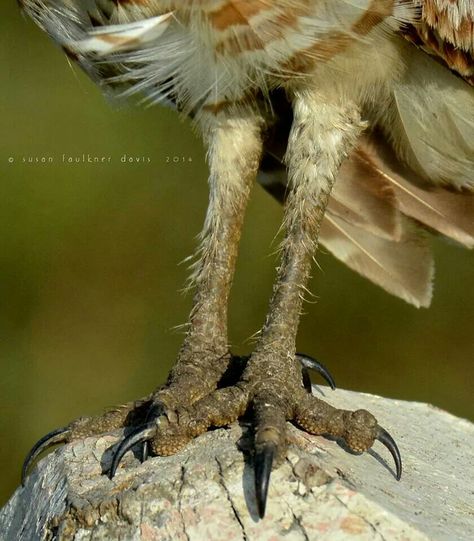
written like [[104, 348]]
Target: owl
[[358, 115]]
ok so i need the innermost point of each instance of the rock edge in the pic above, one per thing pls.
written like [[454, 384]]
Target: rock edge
[[205, 493]]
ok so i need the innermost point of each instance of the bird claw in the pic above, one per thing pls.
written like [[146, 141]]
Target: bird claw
[[60, 435], [310, 363], [155, 412], [157, 418], [306, 380], [386, 439], [141, 434], [263, 468], [264, 460], [145, 451]]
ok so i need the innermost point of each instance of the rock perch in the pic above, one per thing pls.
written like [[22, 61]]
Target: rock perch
[[205, 493]]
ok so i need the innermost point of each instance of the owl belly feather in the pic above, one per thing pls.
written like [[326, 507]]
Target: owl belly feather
[[208, 55], [247, 48]]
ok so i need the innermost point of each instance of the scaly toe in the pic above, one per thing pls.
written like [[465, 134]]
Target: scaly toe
[[359, 429], [83, 427]]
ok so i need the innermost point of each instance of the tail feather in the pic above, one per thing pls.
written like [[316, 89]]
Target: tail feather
[[365, 198], [445, 211], [404, 268]]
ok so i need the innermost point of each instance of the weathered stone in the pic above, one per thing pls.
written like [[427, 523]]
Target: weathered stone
[[206, 492]]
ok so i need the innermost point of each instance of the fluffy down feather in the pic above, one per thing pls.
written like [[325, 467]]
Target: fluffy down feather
[[419, 167]]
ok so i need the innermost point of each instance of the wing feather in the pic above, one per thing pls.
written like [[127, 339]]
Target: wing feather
[[366, 199], [382, 240], [110, 39], [430, 122]]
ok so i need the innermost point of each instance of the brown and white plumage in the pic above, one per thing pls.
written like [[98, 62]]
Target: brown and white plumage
[[364, 116], [415, 166], [446, 31]]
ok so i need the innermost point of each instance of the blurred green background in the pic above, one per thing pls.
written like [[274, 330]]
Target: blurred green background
[[90, 274]]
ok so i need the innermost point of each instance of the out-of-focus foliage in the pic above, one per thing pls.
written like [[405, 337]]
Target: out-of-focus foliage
[[89, 274]]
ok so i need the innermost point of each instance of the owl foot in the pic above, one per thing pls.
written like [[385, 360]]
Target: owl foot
[[137, 415], [273, 398]]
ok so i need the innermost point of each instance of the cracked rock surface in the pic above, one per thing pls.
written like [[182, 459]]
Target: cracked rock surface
[[205, 493]]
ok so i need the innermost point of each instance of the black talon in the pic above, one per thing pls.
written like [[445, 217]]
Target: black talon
[[306, 379], [52, 438], [384, 437], [312, 364], [140, 434], [154, 412], [145, 451], [263, 469]]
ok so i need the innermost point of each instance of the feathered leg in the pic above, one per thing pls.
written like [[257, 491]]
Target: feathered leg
[[322, 135], [203, 390], [234, 151], [271, 381]]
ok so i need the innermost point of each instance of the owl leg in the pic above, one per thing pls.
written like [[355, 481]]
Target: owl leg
[[234, 151], [204, 360], [207, 387], [271, 384], [322, 135]]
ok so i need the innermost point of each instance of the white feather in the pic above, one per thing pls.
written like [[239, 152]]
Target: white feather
[[122, 37]]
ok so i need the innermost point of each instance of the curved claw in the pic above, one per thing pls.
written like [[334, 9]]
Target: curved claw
[[153, 413], [140, 434], [263, 469], [306, 379], [52, 438], [145, 451], [384, 437], [312, 364]]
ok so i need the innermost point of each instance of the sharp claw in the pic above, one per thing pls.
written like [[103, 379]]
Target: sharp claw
[[145, 451], [140, 434], [52, 438], [155, 411], [312, 364], [306, 379], [263, 469], [384, 437]]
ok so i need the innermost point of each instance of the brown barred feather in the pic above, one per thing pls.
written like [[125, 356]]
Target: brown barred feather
[[445, 30], [414, 170]]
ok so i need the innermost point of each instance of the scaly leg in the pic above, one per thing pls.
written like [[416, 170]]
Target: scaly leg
[[234, 151], [321, 136], [270, 382]]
